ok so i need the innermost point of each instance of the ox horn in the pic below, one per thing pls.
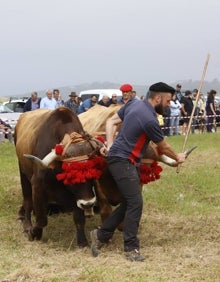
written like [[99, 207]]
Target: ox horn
[[173, 163], [47, 160]]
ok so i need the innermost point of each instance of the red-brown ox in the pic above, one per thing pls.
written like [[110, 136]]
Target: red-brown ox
[[93, 122], [36, 134]]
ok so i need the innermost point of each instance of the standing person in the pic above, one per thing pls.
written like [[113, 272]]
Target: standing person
[[114, 99], [33, 103], [139, 127], [48, 102], [134, 95], [178, 92], [175, 110], [57, 97], [210, 110], [72, 103], [5, 132], [87, 104], [104, 101], [126, 90], [187, 108], [166, 122], [196, 112]]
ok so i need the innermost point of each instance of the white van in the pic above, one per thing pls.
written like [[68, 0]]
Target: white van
[[100, 93]]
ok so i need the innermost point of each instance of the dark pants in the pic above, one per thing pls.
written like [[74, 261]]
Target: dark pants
[[130, 209], [210, 121]]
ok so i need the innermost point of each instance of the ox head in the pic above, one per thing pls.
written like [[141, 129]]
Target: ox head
[[80, 163]]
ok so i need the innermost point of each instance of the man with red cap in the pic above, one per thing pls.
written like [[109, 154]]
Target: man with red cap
[[126, 90], [139, 126]]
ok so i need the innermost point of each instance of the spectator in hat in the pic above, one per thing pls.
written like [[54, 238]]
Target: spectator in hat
[[72, 102], [139, 126], [127, 91]]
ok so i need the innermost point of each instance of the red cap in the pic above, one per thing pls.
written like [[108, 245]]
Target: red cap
[[126, 88]]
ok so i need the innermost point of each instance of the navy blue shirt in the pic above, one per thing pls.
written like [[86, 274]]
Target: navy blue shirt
[[140, 126]]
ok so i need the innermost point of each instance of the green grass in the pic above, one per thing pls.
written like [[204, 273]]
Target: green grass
[[195, 189], [179, 231]]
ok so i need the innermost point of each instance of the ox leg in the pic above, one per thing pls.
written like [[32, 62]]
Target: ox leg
[[40, 212], [24, 213], [79, 220], [105, 209]]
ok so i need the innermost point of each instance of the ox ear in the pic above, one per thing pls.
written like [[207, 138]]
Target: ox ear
[[66, 140]]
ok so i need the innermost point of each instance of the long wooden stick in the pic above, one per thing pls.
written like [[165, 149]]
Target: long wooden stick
[[195, 104]]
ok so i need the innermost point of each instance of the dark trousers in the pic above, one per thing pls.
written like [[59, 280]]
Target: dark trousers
[[210, 121], [130, 209]]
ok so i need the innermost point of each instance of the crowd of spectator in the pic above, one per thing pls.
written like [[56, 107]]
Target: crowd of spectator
[[181, 108], [174, 121], [173, 118]]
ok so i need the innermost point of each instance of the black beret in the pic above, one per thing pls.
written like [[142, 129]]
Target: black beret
[[162, 87]]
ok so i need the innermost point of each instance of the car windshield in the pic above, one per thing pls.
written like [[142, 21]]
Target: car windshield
[[5, 109]]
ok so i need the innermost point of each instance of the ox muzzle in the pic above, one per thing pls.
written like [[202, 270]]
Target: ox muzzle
[[87, 206]]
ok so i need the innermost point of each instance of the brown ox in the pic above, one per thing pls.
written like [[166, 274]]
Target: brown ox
[[36, 134], [94, 121]]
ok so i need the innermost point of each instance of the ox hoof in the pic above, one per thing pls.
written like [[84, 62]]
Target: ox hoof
[[35, 234], [82, 244]]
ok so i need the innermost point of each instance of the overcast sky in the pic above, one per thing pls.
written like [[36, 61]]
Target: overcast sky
[[54, 43]]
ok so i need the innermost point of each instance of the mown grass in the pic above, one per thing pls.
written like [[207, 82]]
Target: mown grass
[[195, 189], [179, 232]]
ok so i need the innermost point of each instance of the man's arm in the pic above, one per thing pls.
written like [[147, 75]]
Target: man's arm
[[111, 127], [167, 150]]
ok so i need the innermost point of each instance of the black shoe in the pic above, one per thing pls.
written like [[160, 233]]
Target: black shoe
[[95, 243], [134, 255]]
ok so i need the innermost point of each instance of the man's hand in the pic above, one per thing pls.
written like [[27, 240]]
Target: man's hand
[[103, 151], [181, 157]]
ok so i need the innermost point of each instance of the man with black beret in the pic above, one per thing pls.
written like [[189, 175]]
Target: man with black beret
[[139, 126]]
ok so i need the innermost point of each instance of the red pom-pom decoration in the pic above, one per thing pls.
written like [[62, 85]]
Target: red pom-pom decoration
[[59, 149], [149, 173], [101, 139], [80, 172]]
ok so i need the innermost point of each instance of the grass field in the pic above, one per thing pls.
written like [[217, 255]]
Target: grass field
[[179, 232]]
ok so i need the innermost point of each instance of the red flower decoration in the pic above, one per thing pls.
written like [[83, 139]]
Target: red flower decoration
[[101, 139], [59, 149], [150, 172], [79, 172]]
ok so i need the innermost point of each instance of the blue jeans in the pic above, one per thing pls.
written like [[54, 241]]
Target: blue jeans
[[174, 125], [130, 209]]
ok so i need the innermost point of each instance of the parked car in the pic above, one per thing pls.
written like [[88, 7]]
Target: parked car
[[16, 105], [9, 116], [100, 93]]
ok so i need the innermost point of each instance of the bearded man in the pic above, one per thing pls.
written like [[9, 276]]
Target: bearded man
[[139, 126]]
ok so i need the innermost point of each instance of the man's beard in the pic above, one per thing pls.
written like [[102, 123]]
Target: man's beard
[[159, 109]]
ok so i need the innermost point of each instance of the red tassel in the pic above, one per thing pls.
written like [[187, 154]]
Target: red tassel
[[101, 139], [150, 172], [59, 149], [79, 172]]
